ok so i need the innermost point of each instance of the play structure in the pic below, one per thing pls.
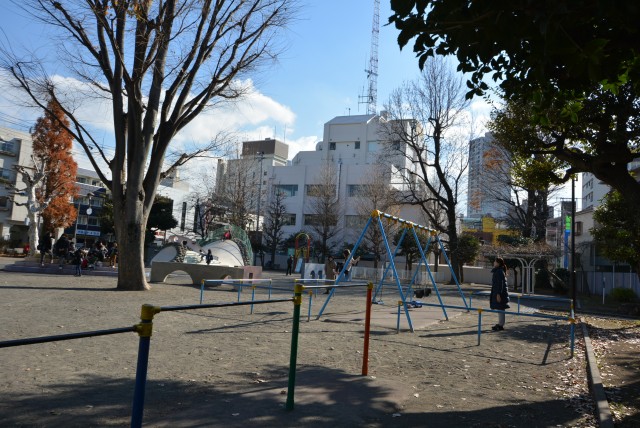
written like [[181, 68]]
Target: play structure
[[410, 230]]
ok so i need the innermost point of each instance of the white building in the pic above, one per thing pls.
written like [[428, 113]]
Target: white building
[[488, 178], [16, 148], [352, 147], [593, 190]]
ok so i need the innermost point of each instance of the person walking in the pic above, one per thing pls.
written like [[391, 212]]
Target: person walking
[[289, 265], [499, 298], [330, 272]]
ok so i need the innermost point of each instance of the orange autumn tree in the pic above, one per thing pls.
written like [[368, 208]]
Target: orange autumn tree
[[52, 146]]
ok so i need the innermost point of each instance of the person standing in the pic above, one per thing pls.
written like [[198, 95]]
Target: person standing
[[45, 248], [113, 255], [62, 249], [78, 257], [209, 257], [499, 298], [330, 272], [289, 265]]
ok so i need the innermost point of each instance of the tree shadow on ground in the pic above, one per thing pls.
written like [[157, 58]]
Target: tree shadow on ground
[[26, 287], [324, 398]]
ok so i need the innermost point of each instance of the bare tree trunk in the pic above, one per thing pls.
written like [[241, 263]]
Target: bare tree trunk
[[131, 272]]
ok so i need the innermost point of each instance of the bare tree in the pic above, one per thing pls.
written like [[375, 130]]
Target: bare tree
[[34, 179], [237, 192], [425, 117], [323, 209], [273, 223], [507, 179], [377, 194], [160, 64]]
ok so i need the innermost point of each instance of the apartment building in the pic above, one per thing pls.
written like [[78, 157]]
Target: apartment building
[[16, 148]]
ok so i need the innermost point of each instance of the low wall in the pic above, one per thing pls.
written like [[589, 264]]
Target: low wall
[[473, 274], [197, 272]]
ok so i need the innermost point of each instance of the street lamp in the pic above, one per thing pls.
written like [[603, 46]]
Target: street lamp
[[255, 253], [75, 229]]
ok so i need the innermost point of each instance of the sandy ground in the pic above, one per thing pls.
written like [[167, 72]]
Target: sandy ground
[[227, 367]]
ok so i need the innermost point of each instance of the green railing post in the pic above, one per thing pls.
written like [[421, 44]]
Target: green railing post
[[297, 302]]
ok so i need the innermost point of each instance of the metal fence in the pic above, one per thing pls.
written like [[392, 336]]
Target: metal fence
[[593, 282]]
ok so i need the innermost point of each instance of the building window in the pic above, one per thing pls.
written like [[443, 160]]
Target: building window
[[288, 219], [316, 220], [82, 219], [355, 221], [332, 146], [578, 228], [357, 145], [4, 203], [287, 189], [312, 220], [320, 190], [357, 190], [5, 174], [7, 147], [93, 221]]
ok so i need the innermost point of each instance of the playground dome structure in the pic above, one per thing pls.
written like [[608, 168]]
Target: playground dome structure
[[226, 252]]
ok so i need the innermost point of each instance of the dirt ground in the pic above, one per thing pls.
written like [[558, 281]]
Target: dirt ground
[[616, 344], [227, 367]]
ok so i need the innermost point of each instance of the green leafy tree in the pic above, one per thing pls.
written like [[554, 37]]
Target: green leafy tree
[[106, 217], [532, 47], [161, 214], [577, 72], [617, 230], [409, 248]]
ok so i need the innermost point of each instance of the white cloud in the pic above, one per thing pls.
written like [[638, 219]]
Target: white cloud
[[256, 116]]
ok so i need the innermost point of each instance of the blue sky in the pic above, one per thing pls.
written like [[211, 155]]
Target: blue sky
[[319, 76]]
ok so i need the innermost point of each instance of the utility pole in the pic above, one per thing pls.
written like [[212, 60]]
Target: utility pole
[[573, 241], [258, 236]]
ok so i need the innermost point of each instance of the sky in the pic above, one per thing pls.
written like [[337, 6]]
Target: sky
[[320, 75]]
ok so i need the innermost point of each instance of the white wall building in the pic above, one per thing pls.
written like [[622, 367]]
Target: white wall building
[[352, 146], [16, 148], [488, 167], [593, 190]]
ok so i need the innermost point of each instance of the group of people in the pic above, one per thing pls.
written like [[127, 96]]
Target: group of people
[[65, 250]]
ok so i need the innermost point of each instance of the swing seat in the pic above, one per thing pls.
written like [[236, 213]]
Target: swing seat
[[416, 304], [422, 293]]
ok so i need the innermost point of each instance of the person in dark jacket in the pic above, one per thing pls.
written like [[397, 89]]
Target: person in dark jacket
[[45, 248], [499, 297]]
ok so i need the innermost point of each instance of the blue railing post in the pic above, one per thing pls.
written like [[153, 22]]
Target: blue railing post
[[144, 330], [479, 324]]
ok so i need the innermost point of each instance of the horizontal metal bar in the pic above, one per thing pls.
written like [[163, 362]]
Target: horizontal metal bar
[[311, 287], [497, 311], [220, 305], [233, 281], [61, 337]]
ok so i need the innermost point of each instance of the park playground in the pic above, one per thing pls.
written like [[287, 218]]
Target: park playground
[[228, 367]]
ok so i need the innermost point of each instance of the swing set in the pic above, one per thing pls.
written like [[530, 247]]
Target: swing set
[[411, 230]]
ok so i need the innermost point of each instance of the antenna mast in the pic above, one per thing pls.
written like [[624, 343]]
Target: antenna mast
[[372, 72]]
